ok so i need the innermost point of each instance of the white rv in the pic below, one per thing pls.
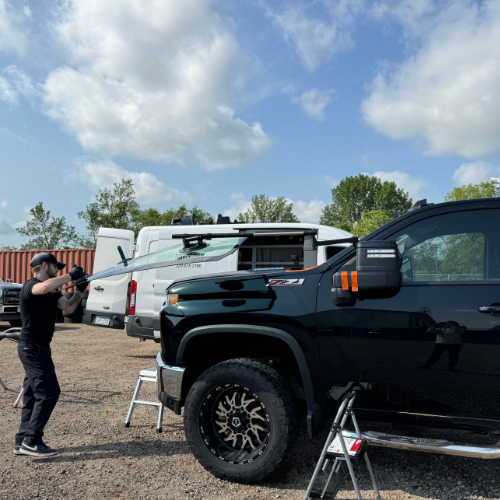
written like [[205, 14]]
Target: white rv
[[282, 246]]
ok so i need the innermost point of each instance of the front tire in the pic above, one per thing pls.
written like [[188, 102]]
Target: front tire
[[240, 419]]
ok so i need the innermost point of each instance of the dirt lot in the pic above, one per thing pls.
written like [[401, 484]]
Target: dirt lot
[[99, 458]]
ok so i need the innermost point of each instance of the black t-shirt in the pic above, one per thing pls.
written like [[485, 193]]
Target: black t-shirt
[[38, 313]]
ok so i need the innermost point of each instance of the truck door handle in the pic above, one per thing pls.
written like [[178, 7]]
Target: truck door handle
[[493, 309], [99, 288]]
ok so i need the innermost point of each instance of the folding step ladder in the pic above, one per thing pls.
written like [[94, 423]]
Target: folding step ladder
[[339, 448]]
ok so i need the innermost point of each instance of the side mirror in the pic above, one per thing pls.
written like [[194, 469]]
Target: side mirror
[[377, 269]]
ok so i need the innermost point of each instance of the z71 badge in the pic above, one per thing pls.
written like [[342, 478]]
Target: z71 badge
[[295, 282]]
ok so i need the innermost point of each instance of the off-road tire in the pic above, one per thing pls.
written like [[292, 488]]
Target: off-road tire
[[275, 395]]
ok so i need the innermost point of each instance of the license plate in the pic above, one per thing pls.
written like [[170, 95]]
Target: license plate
[[101, 320]]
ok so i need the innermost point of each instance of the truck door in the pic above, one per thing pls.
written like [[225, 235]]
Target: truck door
[[434, 346], [108, 296]]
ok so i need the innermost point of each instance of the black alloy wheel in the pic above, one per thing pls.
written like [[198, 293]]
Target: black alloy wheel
[[240, 419]]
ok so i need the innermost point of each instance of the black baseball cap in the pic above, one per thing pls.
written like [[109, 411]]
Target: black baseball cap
[[46, 257]]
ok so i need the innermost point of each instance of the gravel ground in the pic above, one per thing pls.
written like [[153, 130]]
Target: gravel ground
[[99, 458]]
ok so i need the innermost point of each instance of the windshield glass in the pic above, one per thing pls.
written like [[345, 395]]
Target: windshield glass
[[215, 249]]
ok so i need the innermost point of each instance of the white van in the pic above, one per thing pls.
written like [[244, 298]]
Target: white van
[[280, 245]]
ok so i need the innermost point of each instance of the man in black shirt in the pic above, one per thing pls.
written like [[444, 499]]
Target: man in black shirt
[[39, 299]]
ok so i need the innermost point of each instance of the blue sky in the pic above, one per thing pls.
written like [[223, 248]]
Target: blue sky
[[211, 102]]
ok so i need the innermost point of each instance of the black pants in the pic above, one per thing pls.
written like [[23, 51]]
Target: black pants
[[440, 349], [41, 391]]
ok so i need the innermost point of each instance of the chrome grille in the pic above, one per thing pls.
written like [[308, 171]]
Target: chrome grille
[[11, 296]]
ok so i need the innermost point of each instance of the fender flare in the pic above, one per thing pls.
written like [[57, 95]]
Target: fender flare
[[315, 418]]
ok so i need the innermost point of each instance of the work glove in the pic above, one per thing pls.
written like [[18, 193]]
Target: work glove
[[82, 286], [76, 273]]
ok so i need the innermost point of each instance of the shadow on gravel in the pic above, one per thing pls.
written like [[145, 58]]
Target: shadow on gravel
[[67, 397], [64, 328], [130, 449]]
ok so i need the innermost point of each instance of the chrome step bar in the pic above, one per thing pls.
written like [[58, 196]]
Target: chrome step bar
[[440, 446]]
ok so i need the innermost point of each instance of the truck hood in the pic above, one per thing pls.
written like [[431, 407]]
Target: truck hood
[[245, 278]]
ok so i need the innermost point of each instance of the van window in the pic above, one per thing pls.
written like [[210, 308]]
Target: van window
[[331, 251], [272, 251]]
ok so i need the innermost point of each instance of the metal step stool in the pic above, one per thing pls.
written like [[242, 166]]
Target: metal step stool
[[340, 448], [148, 375]]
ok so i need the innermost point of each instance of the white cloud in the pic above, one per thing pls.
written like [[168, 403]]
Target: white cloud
[[474, 172], [7, 92], [314, 101], [331, 181], [4, 204], [414, 15], [148, 189], [308, 211], [5, 227], [305, 211], [13, 31], [239, 205], [413, 185], [447, 93], [316, 38], [16, 82], [27, 11], [151, 79]]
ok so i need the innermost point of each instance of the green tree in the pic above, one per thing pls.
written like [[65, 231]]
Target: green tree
[[153, 217], [370, 221], [266, 209], [48, 232], [113, 208], [355, 196], [7, 248], [471, 192]]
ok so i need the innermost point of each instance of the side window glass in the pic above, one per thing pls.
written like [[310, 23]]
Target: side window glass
[[455, 247], [456, 257]]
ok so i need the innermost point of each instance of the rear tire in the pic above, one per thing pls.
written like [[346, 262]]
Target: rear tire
[[240, 419]]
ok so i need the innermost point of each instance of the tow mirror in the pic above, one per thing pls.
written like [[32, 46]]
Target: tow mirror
[[377, 268]]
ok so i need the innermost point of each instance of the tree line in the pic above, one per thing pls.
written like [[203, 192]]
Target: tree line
[[360, 204]]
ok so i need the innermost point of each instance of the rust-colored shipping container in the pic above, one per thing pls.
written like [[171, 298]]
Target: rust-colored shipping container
[[15, 265]]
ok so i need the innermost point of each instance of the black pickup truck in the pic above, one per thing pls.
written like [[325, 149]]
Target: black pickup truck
[[9, 302], [409, 316]]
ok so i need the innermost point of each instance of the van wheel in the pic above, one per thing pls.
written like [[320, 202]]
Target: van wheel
[[240, 419]]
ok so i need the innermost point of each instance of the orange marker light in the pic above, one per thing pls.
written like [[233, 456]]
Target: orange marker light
[[172, 299], [345, 283], [354, 280]]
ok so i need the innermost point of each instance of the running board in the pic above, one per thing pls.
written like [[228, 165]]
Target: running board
[[440, 446]]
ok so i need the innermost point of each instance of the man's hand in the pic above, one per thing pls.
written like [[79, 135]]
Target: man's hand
[[76, 273], [82, 286]]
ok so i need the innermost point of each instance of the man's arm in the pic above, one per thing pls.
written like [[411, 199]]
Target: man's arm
[[50, 285], [69, 305]]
